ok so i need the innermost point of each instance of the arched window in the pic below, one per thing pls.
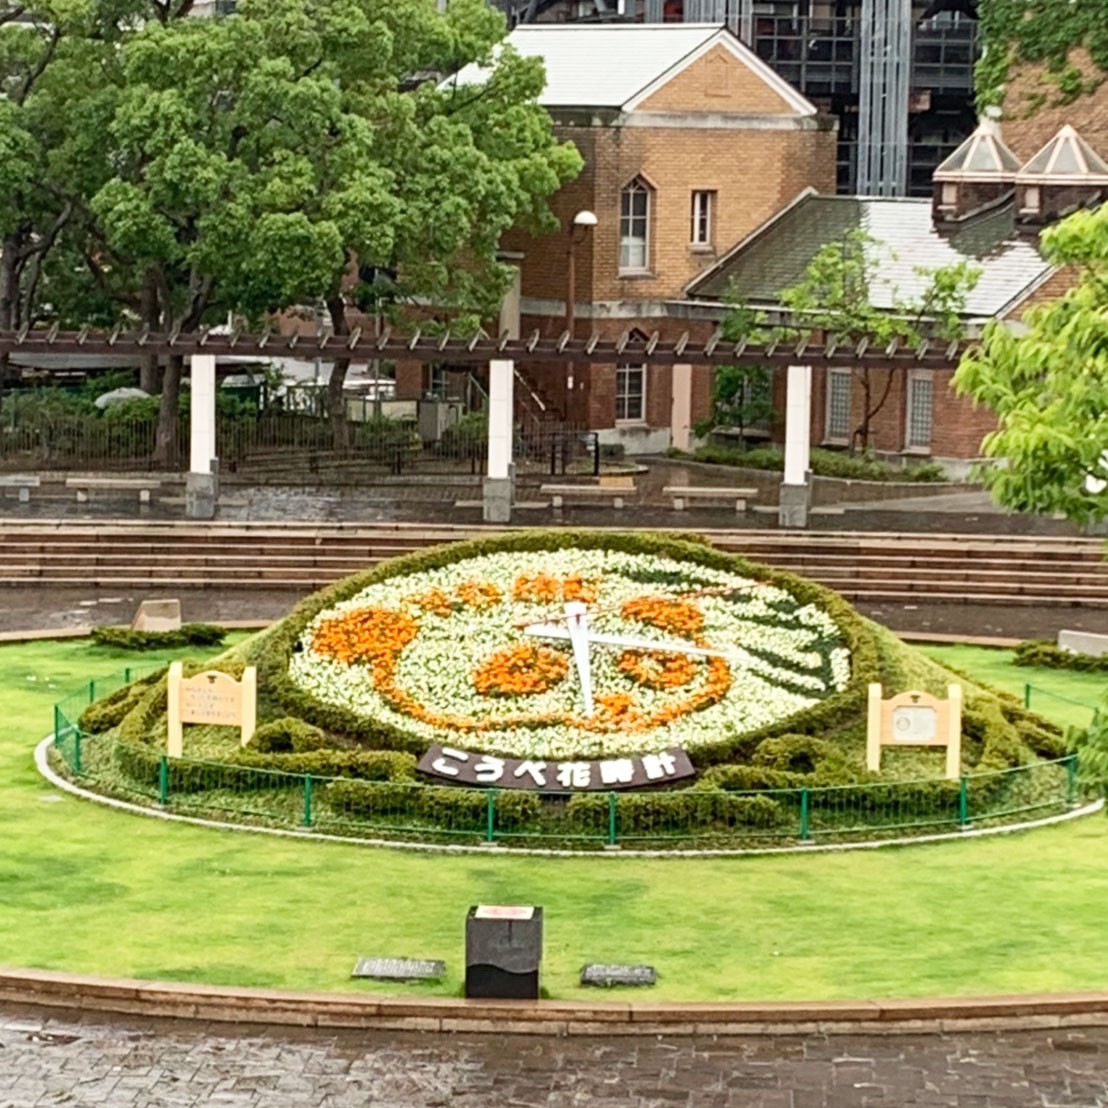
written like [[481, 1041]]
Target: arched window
[[634, 227]]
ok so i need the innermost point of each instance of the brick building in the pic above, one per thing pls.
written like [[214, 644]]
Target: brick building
[[690, 142]]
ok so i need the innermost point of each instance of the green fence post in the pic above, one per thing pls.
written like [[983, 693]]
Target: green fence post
[[76, 750], [805, 831], [490, 815], [1027, 695], [963, 802], [307, 800], [127, 675], [91, 691], [57, 724], [1071, 780], [163, 780], [612, 809]]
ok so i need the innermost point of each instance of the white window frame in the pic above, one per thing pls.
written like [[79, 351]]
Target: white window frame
[[916, 378], [830, 433], [1032, 199], [624, 395], [702, 218], [634, 247], [949, 195]]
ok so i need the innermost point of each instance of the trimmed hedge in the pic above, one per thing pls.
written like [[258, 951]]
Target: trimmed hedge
[[1035, 652], [299, 735], [189, 634]]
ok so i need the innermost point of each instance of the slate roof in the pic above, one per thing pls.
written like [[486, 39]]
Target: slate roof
[[606, 65], [775, 257]]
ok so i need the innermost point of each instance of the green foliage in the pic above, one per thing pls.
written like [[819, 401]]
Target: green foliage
[[1042, 33], [742, 397], [1048, 386], [824, 463], [1091, 746], [189, 634], [287, 735], [1035, 652]]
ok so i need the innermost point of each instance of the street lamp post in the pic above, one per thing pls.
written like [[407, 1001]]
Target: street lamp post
[[584, 220]]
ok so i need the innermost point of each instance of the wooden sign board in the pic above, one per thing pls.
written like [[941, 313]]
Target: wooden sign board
[[210, 697], [915, 719]]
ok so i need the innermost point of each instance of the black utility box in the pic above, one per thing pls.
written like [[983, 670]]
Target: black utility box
[[503, 952]]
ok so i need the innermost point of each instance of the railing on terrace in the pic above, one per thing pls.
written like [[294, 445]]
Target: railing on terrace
[[680, 819], [287, 446]]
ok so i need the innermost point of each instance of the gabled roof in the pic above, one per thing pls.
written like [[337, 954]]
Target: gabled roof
[[776, 256], [1066, 159], [615, 65], [982, 157]]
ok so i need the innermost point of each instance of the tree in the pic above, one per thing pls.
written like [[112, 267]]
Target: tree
[[742, 395], [1048, 385], [835, 298], [251, 164]]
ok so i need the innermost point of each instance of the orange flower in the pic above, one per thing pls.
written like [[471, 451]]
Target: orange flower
[[658, 669], [371, 635], [679, 617], [543, 588], [520, 670]]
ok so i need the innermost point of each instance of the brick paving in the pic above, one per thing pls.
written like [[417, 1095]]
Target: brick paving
[[106, 1062]]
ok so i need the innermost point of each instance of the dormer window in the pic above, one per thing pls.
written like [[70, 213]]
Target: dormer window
[[949, 198], [1031, 200]]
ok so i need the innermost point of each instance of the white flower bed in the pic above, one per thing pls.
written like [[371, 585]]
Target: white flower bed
[[781, 657]]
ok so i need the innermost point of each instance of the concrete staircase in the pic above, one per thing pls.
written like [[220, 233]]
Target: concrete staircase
[[876, 567]]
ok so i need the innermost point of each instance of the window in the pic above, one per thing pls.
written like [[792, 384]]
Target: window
[[949, 196], [634, 226], [917, 434], [839, 388], [1031, 202], [702, 205], [631, 394]]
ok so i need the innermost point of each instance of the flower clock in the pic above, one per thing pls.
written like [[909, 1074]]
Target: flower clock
[[572, 653]]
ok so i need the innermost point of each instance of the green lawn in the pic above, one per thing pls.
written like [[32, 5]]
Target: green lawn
[[1064, 696], [87, 889]]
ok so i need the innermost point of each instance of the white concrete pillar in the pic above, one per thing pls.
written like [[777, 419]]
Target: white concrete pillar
[[795, 490], [498, 480], [681, 417], [201, 490]]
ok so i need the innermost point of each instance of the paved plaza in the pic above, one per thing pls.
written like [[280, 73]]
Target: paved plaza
[[101, 1062]]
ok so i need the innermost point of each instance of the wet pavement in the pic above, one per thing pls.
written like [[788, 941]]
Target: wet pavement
[[97, 1062]]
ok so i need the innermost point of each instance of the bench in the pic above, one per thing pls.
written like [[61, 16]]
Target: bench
[[83, 485], [22, 482], [682, 493], [614, 494]]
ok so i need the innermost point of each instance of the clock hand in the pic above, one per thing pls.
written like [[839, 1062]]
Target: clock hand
[[577, 624]]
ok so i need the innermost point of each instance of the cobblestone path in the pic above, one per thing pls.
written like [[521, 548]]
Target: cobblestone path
[[97, 1062]]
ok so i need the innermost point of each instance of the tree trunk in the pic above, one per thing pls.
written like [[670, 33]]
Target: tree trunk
[[149, 375], [336, 400], [167, 445]]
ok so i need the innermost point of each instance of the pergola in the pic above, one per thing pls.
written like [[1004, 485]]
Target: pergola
[[502, 354]]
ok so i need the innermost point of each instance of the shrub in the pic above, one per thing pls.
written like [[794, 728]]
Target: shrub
[[1034, 652], [189, 634], [823, 463], [287, 734]]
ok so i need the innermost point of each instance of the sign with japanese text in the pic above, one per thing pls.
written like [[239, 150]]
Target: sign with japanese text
[[915, 719], [635, 771], [211, 697]]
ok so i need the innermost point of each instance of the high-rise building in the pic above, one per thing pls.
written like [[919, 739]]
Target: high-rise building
[[897, 73]]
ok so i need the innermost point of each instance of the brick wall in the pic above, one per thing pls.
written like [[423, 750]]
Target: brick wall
[[716, 127]]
